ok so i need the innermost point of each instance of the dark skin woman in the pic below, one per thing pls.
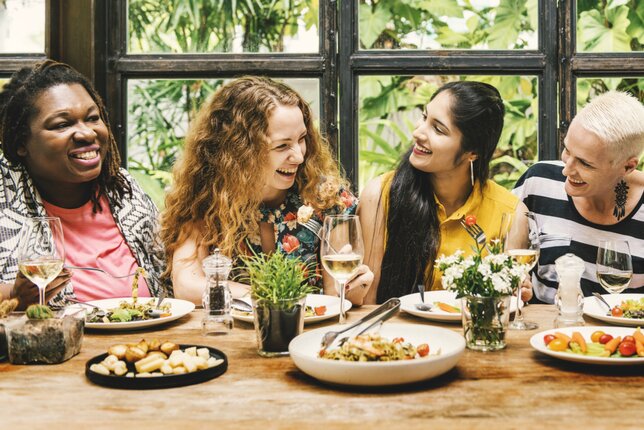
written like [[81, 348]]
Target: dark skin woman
[[59, 155]]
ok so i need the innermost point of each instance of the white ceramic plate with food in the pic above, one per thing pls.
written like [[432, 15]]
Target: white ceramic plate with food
[[178, 308], [538, 343], [594, 308], [304, 350], [408, 304], [313, 301]]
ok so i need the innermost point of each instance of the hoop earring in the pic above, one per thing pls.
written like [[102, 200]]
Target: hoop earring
[[472, 171], [621, 195]]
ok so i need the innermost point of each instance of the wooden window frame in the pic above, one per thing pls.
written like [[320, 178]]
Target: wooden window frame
[[96, 46]]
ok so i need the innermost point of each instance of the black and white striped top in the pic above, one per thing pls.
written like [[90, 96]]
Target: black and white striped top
[[563, 230]]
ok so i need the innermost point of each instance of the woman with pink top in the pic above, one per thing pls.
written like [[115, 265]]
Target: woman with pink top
[[59, 158]]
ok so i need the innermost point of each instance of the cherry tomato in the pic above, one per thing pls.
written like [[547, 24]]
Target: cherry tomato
[[557, 345], [627, 349], [470, 220], [548, 338], [596, 335], [605, 338], [319, 310], [422, 349], [617, 312], [628, 339]]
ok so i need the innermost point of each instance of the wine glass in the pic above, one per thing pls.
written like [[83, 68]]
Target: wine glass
[[523, 248], [341, 250], [614, 265], [41, 251]]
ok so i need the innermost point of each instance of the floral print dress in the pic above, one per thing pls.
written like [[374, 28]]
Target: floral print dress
[[292, 238]]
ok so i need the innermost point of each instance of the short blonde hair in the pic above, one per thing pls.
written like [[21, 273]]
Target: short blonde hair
[[617, 118]]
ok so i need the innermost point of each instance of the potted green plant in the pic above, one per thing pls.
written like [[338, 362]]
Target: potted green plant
[[278, 286]]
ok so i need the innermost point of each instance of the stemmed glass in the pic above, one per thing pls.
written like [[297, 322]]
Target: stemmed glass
[[41, 251], [525, 252], [341, 250], [614, 265]]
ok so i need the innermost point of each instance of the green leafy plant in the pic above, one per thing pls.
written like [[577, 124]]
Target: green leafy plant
[[276, 277], [39, 312]]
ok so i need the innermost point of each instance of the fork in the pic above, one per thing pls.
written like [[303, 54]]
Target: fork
[[392, 304], [422, 306], [162, 294], [476, 233], [96, 269], [601, 299], [314, 227]]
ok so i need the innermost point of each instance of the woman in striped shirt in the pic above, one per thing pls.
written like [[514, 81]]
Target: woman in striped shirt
[[595, 193]]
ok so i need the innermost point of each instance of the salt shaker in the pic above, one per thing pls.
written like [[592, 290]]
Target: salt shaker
[[569, 298], [217, 318]]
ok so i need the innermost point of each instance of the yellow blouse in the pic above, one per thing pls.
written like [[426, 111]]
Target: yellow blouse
[[487, 206]]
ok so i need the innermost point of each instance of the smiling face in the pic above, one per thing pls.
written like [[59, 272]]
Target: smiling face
[[67, 139], [287, 148], [437, 141], [589, 168]]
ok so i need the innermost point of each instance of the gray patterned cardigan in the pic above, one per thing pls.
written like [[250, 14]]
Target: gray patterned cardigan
[[136, 216]]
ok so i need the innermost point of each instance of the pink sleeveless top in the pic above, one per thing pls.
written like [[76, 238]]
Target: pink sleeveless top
[[94, 240]]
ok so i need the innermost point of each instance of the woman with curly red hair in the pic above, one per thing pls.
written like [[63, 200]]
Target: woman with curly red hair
[[252, 159]]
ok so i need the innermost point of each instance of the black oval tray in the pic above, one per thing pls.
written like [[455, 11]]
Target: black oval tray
[[152, 382]]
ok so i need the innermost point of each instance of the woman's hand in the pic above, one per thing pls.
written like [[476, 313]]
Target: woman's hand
[[526, 289], [363, 278], [27, 292]]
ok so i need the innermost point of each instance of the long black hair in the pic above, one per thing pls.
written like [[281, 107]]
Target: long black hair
[[413, 233], [17, 109]]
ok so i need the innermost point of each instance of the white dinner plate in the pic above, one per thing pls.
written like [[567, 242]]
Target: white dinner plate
[[537, 343], [408, 304], [178, 308], [594, 308], [332, 304], [305, 347]]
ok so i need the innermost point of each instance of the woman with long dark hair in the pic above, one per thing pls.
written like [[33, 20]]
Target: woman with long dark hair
[[412, 215]]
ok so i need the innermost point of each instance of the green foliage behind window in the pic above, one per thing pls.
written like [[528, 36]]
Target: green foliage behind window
[[185, 26], [448, 24]]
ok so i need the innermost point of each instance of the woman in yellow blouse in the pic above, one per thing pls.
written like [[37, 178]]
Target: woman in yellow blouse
[[415, 211]]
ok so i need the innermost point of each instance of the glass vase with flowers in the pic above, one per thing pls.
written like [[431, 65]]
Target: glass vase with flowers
[[484, 282]]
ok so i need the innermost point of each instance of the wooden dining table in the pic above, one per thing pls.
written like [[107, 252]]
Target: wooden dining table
[[517, 387]]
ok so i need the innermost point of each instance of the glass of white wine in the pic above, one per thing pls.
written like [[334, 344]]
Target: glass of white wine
[[341, 250], [614, 265], [41, 251], [525, 252]]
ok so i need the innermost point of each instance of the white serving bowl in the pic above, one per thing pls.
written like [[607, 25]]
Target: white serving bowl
[[305, 347]]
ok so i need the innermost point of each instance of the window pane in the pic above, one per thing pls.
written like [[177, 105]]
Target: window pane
[[159, 111], [587, 88], [448, 24], [390, 107], [22, 26], [184, 26], [613, 26]]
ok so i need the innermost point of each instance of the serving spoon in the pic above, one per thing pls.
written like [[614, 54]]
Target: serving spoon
[[384, 311]]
